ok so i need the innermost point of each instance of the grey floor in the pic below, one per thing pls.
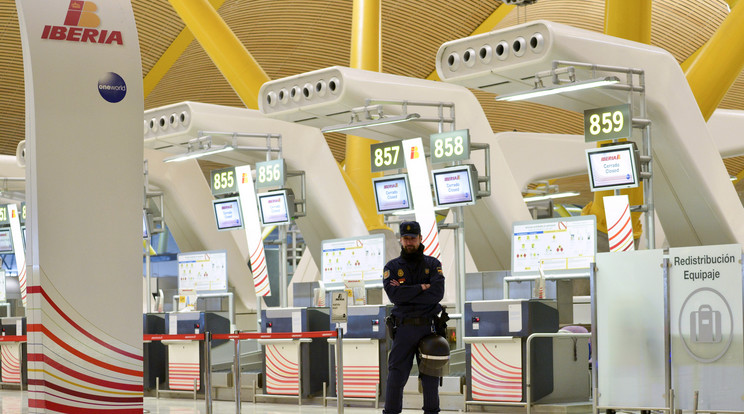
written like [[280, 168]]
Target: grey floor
[[15, 402]]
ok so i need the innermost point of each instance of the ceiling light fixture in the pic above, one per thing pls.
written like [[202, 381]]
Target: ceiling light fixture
[[371, 123], [551, 196], [199, 147], [552, 90]]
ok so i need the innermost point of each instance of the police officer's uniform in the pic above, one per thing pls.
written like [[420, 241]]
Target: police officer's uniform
[[413, 312]]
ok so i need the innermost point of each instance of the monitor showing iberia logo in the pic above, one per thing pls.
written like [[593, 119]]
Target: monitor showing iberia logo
[[82, 24]]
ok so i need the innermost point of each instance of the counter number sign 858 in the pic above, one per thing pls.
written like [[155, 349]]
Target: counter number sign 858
[[450, 146]]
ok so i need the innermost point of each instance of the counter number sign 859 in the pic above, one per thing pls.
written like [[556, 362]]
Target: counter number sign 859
[[612, 122], [387, 156]]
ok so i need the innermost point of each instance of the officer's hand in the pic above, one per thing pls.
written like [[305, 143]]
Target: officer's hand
[[394, 282], [425, 286]]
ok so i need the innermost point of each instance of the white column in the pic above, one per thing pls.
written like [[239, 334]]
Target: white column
[[84, 154]]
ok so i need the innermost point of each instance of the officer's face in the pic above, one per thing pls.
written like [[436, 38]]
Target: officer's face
[[410, 243]]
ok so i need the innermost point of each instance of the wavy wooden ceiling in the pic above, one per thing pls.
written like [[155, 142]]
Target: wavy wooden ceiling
[[294, 36]]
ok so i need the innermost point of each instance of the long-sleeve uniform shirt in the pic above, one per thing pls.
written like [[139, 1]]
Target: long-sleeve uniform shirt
[[409, 298]]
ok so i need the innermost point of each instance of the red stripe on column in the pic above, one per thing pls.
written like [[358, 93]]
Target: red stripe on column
[[40, 328], [38, 289], [84, 377]]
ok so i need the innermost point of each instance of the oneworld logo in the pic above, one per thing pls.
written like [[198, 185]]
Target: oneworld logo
[[112, 87], [81, 23]]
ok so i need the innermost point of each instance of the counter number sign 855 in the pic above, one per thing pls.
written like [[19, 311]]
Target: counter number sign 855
[[612, 122], [223, 181]]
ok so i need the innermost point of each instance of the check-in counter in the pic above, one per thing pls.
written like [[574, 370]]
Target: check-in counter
[[496, 333], [13, 365], [365, 350], [295, 366], [185, 356]]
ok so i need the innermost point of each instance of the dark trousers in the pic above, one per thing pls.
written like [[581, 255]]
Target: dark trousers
[[400, 361]]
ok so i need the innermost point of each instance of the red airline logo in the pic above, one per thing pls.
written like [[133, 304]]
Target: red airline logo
[[80, 25], [414, 152]]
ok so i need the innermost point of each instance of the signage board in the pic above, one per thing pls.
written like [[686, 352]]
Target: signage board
[[392, 193], [450, 146], [353, 258], [339, 307], [608, 123], [612, 167], [558, 245], [202, 272], [706, 326], [271, 173], [223, 181], [387, 156]]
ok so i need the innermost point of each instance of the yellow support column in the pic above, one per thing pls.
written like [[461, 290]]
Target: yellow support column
[[717, 65], [169, 57], [224, 48], [627, 19], [366, 53]]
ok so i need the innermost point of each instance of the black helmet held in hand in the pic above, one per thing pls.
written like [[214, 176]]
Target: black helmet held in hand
[[433, 353]]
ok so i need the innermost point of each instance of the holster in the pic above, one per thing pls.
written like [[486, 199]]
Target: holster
[[440, 323], [391, 326]]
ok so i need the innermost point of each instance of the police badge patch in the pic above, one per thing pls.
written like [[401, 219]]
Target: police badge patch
[[400, 272], [386, 274], [426, 271]]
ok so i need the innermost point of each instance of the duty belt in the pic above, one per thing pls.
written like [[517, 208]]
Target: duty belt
[[416, 321]]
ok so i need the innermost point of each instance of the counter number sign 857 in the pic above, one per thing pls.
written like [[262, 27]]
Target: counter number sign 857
[[612, 122], [387, 156]]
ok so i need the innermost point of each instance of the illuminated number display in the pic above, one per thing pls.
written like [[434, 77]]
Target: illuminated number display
[[270, 173], [4, 219], [450, 146], [223, 181], [23, 213], [387, 156], [611, 122]]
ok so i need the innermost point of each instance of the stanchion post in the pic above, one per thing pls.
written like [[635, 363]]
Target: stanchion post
[[207, 372], [236, 371], [339, 369]]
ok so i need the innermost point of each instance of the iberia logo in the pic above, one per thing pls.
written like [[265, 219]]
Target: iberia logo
[[81, 25], [244, 178], [414, 152]]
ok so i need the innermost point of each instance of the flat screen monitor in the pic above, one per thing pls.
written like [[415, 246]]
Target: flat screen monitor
[[612, 167], [455, 186], [392, 193], [227, 213], [6, 241], [276, 207]]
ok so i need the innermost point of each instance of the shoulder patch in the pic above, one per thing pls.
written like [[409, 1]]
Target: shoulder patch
[[386, 274], [439, 270]]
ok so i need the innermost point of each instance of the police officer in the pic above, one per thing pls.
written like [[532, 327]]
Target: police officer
[[414, 283]]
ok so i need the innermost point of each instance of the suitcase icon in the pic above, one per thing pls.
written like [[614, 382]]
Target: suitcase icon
[[705, 325]]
